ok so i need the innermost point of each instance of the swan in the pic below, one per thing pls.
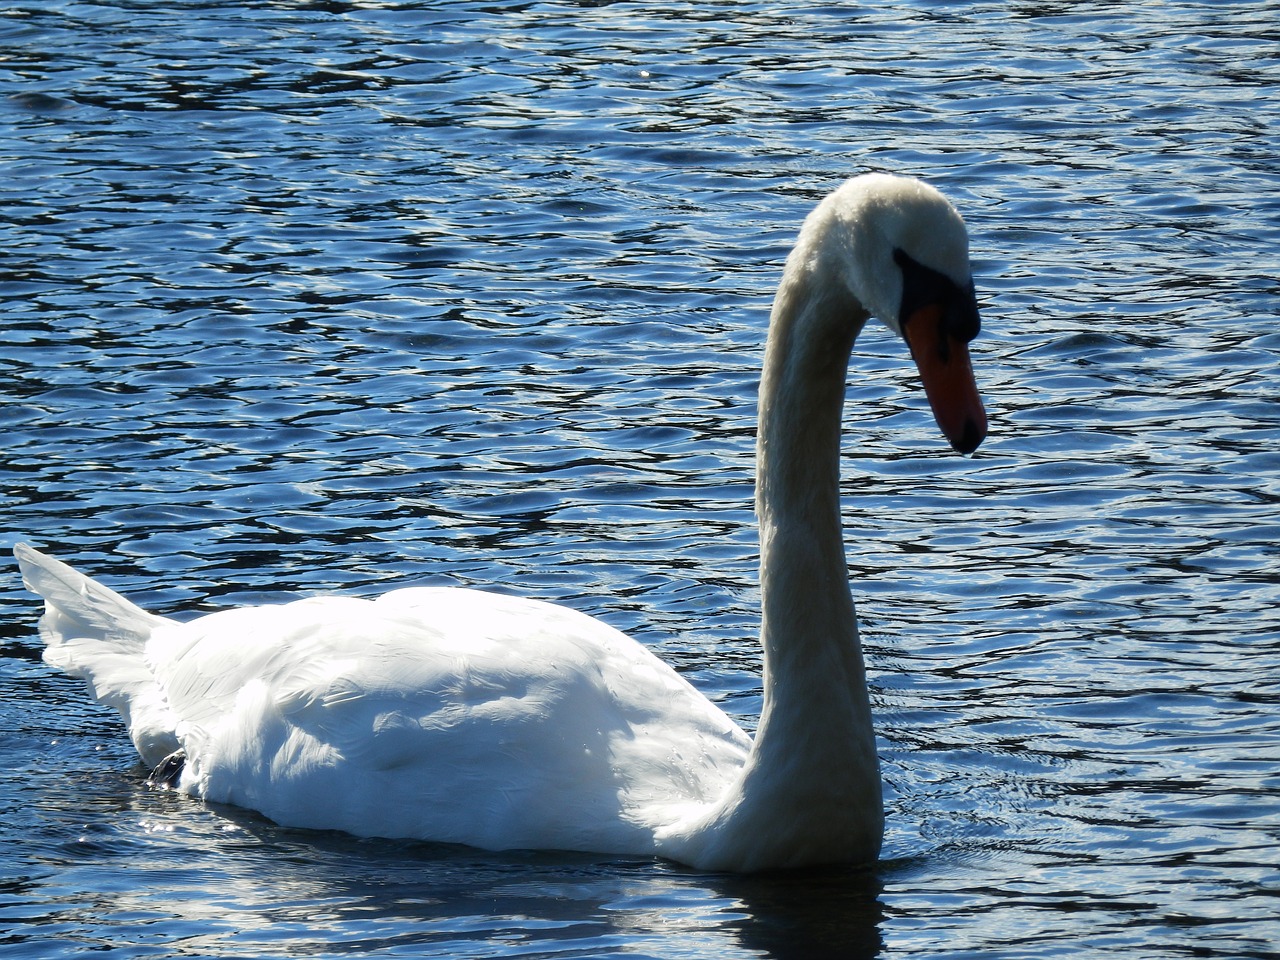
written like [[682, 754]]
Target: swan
[[461, 716]]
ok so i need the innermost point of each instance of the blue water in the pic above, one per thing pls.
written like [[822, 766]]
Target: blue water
[[307, 296]]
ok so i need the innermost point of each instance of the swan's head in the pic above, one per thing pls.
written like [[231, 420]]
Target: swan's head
[[907, 262]]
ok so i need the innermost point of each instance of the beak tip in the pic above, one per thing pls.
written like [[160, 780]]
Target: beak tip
[[969, 437], [947, 377]]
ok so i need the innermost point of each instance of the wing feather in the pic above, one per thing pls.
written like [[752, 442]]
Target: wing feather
[[439, 713]]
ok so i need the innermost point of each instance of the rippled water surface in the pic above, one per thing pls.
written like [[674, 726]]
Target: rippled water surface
[[307, 296]]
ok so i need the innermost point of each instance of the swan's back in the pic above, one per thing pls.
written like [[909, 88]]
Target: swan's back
[[440, 714], [444, 714]]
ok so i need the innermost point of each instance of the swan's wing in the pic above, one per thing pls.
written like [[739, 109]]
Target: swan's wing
[[440, 714]]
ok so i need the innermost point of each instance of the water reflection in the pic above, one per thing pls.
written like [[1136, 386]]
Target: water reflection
[[225, 880], [821, 914]]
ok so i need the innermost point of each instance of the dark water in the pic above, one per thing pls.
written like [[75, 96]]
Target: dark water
[[305, 296]]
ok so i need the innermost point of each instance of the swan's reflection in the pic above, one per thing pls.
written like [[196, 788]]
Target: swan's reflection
[[223, 880]]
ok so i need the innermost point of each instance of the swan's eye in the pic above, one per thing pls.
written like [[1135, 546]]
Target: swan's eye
[[956, 307]]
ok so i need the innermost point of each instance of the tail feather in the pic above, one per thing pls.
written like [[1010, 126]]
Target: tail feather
[[93, 633], [80, 607]]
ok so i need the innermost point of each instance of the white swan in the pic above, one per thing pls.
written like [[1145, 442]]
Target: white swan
[[462, 716]]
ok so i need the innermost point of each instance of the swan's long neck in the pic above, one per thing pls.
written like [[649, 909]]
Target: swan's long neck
[[813, 670], [810, 790], [815, 747]]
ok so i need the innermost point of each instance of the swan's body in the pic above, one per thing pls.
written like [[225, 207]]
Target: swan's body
[[462, 716]]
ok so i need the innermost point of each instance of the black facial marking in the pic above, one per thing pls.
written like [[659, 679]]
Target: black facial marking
[[169, 772], [923, 286]]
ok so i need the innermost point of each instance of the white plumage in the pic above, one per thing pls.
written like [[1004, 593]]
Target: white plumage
[[469, 717]]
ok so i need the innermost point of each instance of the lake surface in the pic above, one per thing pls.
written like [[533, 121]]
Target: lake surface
[[330, 296]]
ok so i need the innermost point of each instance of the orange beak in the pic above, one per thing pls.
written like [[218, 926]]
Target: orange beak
[[943, 362]]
